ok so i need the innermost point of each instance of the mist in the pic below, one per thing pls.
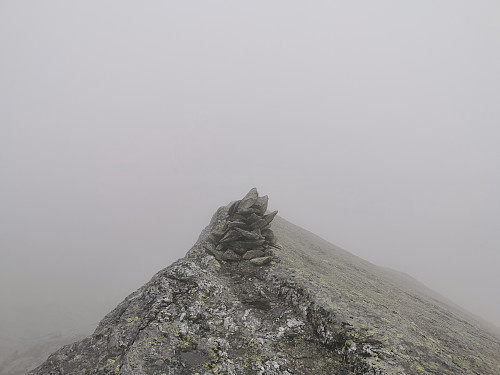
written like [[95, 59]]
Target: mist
[[125, 125]]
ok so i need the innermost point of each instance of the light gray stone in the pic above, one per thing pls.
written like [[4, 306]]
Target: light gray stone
[[249, 199], [261, 261], [251, 254], [230, 256]]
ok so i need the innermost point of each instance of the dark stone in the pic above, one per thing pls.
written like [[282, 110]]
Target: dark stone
[[258, 303], [230, 236], [221, 247], [213, 238], [238, 250], [211, 249], [248, 244], [248, 235]]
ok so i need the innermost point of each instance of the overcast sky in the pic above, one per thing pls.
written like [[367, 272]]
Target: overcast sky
[[125, 124]]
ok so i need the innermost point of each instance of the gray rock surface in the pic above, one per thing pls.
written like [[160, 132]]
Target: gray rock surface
[[313, 309]]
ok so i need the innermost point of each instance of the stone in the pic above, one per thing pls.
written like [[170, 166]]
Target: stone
[[213, 238], [211, 249], [233, 207], [221, 247], [230, 236], [248, 211], [218, 233], [268, 218], [236, 224], [251, 254], [240, 217], [257, 224], [248, 235], [268, 234], [261, 261], [209, 246], [230, 256], [252, 219], [238, 250], [248, 244], [249, 199], [261, 204]]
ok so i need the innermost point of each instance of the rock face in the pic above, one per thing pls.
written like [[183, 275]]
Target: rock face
[[311, 308], [246, 232]]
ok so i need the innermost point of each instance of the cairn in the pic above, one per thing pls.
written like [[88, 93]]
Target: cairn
[[246, 232]]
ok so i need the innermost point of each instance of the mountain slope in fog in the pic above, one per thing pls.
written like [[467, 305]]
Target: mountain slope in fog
[[314, 309]]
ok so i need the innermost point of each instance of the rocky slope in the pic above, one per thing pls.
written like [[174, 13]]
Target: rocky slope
[[304, 307], [18, 360]]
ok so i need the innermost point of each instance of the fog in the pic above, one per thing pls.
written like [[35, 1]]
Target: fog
[[125, 124]]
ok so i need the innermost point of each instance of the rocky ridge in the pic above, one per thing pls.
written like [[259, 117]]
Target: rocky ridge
[[311, 308]]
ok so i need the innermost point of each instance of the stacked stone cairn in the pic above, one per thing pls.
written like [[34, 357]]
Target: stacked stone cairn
[[246, 234]]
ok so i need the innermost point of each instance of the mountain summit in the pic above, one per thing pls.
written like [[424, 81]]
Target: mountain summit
[[259, 295]]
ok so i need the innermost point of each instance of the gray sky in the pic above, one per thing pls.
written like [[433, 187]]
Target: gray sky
[[125, 124]]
